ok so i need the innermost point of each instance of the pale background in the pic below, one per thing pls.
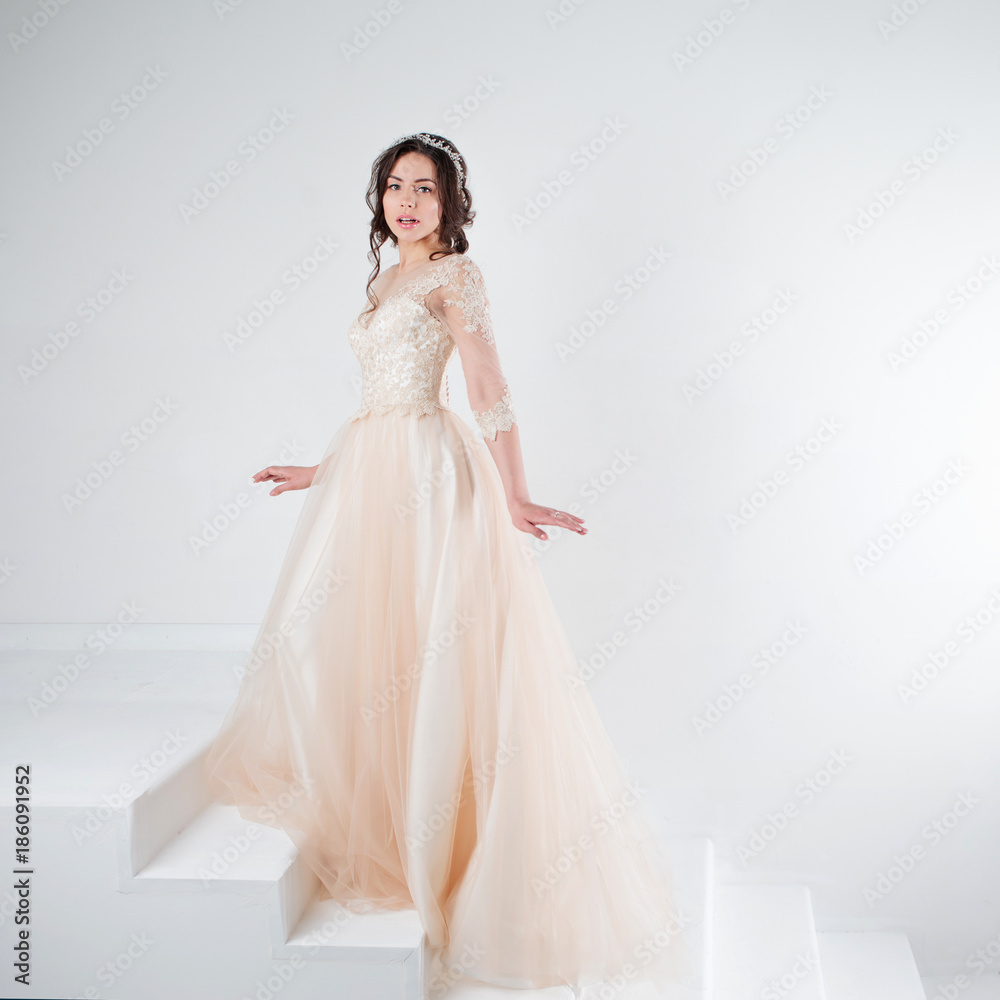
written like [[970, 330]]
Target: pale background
[[660, 515]]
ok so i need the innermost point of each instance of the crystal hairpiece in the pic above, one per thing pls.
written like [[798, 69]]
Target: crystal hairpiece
[[431, 141]]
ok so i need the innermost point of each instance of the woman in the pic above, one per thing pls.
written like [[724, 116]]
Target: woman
[[411, 684]]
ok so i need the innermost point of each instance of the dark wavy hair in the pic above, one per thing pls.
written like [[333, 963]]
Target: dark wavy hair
[[454, 197]]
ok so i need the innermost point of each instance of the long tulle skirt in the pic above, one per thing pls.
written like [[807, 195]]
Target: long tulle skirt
[[412, 714]]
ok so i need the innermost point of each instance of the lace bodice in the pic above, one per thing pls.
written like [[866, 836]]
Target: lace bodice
[[404, 348]]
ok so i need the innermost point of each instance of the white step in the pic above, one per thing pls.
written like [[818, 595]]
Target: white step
[[360, 941], [764, 936], [176, 794], [693, 869], [962, 986], [218, 850], [379, 953], [869, 965], [745, 937], [334, 932]]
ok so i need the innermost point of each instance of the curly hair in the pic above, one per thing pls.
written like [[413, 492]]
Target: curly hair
[[453, 195]]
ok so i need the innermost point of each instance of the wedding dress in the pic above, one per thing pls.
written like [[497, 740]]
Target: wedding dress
[[412, 713]]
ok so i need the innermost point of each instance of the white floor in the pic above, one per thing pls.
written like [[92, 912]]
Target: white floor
[[144, 888]]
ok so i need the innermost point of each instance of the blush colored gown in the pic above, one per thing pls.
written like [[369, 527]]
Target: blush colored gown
[[412, 713]]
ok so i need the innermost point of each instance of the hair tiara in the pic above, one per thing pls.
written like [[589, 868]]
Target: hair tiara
[[429, 140]]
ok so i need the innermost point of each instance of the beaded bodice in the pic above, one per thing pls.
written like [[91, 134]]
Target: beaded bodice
[[404, 349]]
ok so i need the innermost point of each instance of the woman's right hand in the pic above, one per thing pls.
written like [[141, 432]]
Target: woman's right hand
[[290, 477]]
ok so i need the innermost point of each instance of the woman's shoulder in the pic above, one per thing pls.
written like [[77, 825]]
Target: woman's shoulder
[[462, 266], [454, 259]]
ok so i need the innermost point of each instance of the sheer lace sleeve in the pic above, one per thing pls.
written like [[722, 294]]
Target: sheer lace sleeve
[[465, 311]]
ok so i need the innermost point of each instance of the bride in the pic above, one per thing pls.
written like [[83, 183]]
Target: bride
[[412, 713]]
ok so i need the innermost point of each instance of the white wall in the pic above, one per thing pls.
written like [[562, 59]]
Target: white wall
[[881, 98]]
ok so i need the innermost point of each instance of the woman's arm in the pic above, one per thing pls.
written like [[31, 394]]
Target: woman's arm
[[463, 308], [527, 516]]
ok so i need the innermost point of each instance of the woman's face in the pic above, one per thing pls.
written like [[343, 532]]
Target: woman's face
[[410, 200]]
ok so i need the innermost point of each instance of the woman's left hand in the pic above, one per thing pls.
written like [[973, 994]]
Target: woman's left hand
[[527, 516]]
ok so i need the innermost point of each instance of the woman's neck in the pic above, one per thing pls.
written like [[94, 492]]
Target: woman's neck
[[413, 257]]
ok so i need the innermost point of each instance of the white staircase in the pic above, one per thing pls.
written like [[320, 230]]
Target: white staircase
[[868, 966], [751, 941], [763, 937]]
